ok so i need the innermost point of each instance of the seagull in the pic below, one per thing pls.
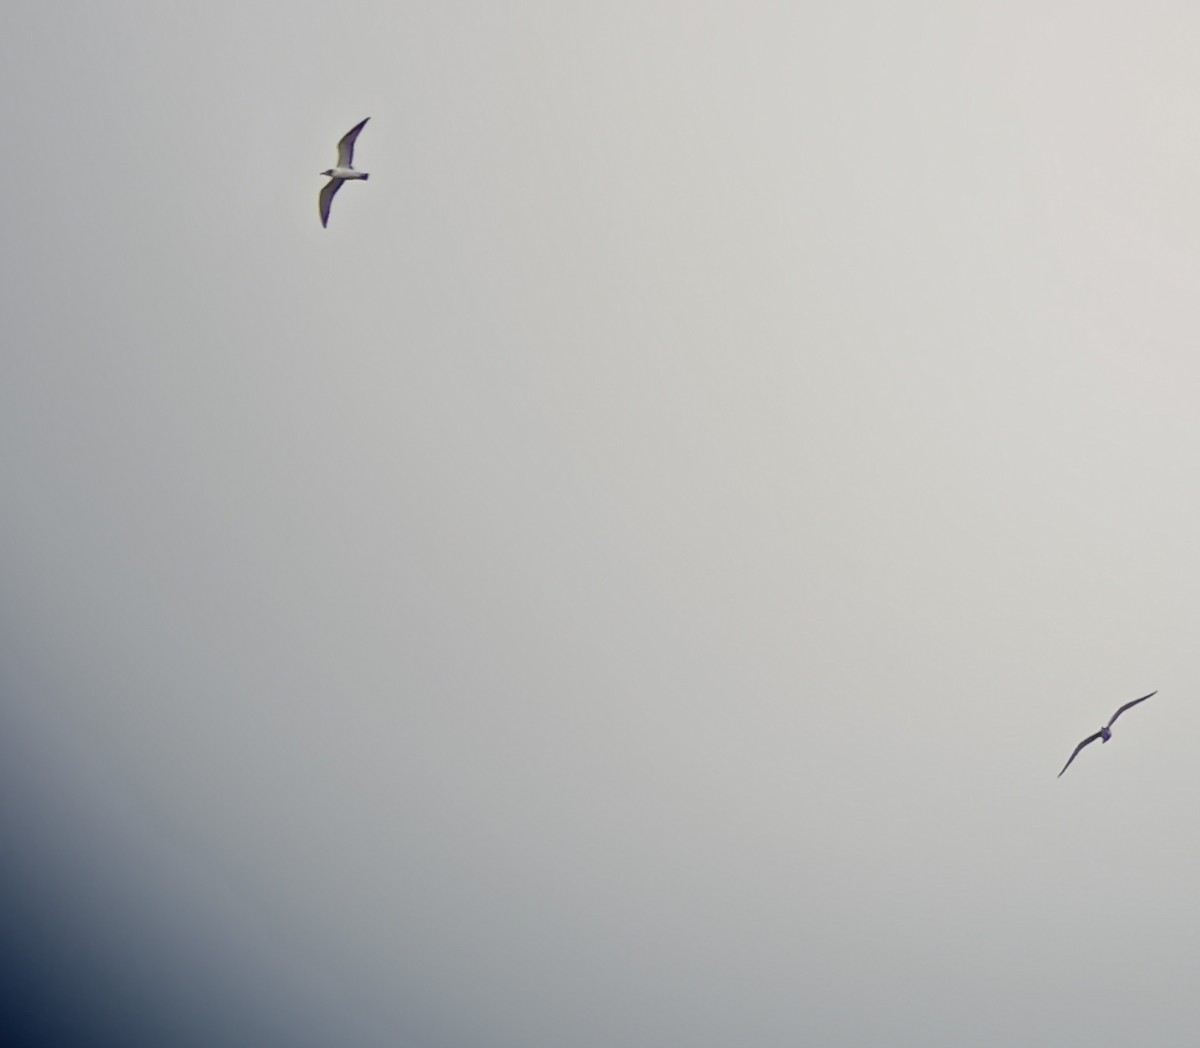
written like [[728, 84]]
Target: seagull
[[344, 172], [1103, 733]]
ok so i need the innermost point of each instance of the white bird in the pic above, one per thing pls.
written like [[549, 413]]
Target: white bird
[[1103, 733], [344, 172]]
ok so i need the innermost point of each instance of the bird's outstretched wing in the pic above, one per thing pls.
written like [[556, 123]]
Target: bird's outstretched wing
[[1090, 738], [346, 145], [1127, 705], [328, 191]]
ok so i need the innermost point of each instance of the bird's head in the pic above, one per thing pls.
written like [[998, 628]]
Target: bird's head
[[329, 173]]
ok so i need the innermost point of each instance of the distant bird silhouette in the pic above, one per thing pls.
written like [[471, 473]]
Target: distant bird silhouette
[[344, 172], [1103, 733]]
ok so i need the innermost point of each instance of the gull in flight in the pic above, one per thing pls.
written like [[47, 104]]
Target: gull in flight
[[1103, 733], [344, 172]]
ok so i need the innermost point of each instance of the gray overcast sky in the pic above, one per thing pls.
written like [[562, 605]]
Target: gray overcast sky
[[633, 579]]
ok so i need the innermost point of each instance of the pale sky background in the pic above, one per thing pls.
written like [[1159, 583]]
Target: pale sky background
[[634, 578]]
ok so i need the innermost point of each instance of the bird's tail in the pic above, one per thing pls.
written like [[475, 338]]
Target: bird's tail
[[365, 177]]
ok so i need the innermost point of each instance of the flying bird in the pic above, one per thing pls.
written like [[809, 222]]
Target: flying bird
[[344, 172], [1104, 732]]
